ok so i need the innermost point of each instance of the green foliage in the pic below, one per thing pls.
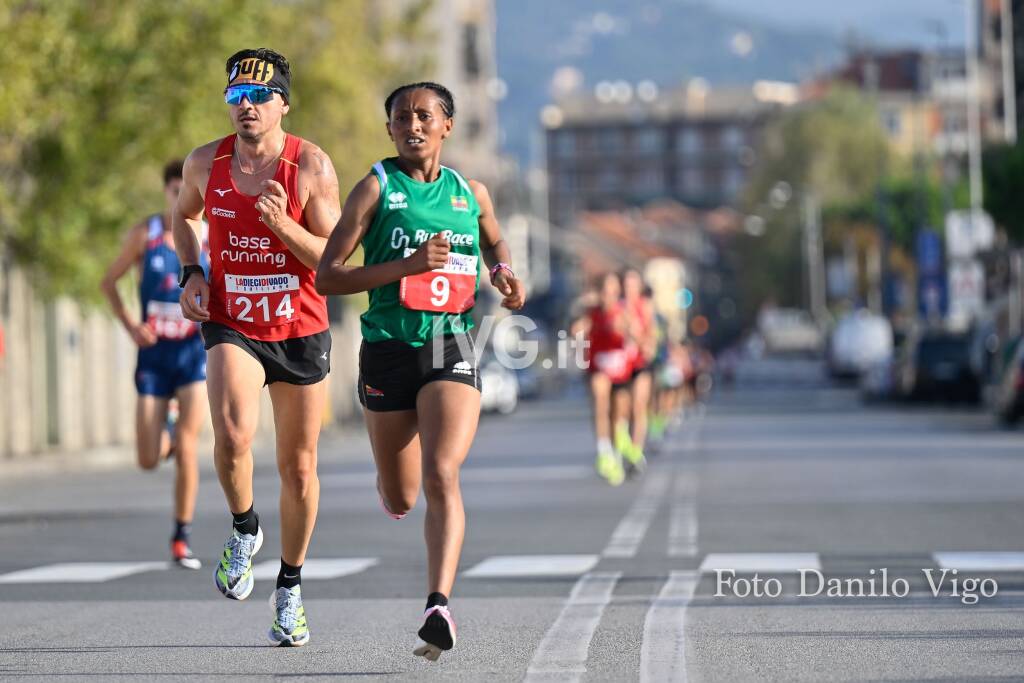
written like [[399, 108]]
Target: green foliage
[[902, 203], [98, 95], [833, 148], [1003, 169]]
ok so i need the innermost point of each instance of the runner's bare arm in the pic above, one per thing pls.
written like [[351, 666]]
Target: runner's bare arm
[[335, 277], [186, 225], [187, 215], [131, 251], [581, 325], [321, 210], [495, 250]]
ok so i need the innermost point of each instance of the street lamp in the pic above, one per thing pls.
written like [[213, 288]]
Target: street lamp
[[779, 198]]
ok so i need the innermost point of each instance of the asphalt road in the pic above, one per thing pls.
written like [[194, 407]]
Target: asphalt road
[[563, 578]]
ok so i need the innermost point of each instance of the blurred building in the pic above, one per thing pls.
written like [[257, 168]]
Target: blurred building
[[1001, 49], [619, 148], [456, 42], [922, 96], [466, 63]]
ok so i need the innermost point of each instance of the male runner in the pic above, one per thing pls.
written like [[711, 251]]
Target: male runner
[[272, 200], [172, 361]]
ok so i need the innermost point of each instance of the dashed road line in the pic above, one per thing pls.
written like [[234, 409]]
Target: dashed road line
[[562, 654], [630, 532], [663, 649]]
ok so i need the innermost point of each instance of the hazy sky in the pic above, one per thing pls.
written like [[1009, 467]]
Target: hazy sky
[[893, 21]]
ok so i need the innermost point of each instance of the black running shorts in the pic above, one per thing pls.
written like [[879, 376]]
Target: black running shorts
[[303, 360], [391, 373]]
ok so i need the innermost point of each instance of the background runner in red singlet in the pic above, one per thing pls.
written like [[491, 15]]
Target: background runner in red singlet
[[271, 200], [604, 326], [631, 435]]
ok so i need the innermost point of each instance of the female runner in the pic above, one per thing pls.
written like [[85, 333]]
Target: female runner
[[423, 228]]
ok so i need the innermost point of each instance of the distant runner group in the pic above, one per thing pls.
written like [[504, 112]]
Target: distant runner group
[[640, 378]]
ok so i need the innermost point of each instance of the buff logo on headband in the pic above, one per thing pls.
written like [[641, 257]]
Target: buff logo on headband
[[261, 71]]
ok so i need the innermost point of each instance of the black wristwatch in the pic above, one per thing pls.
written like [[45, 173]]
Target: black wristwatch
[[187, 272]]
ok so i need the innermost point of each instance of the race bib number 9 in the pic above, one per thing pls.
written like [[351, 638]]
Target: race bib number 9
[[167, 322], [264, 300], [451, 289]]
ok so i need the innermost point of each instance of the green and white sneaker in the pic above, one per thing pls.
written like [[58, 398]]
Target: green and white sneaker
[[634, 460], [289, 629], [233, 575], [609, 466]]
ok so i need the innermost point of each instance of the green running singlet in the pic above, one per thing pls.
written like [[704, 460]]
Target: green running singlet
[[409, 212]]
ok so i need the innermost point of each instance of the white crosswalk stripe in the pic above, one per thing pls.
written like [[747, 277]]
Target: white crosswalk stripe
[[760, 562], [513, 566], [980, 561], [322, 569], [519, 566], [81, 572]]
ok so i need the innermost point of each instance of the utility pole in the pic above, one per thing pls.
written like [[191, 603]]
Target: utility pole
[[973, 106], [1009, 75], [814, 257]]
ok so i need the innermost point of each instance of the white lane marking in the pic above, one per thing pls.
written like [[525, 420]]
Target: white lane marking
[[630, 532], [512, 566], [319, 569], [474, 475], [682, 530], [980, 561], [683, 527], [757, 562], [562, 654], [663, 649], [81, 572]]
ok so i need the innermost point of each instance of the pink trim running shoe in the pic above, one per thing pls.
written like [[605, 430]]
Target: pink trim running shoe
[[437, 633]]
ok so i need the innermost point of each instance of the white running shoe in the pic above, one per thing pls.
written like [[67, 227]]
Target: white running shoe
[[233, 575], [289, 627]]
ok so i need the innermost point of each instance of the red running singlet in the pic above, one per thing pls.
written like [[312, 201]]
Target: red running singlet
[[608, 353], [257, 286]]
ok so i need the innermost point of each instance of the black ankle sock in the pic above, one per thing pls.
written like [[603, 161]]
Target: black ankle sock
[[182, 530], [289, 576], [247, 522], [437, 599]]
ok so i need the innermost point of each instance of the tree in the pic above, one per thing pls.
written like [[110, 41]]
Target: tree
[[99, 95], [1003, 169], [833, 148], [902, 203]]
